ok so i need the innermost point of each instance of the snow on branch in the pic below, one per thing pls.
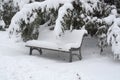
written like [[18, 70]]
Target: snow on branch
[[29, 12], [62, 11], [113, 36]]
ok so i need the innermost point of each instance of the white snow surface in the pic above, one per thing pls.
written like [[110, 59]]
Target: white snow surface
[[70, 39], [2, 23], [17, 64], [110, 19]]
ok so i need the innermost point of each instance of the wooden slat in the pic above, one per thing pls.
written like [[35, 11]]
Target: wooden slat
[[48, 49]]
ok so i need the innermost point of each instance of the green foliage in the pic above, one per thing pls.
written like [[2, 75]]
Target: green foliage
[[53, 15], [101, 10], [72, 19], [67, 20], [79, 17], [91, 27], [9, 11], [96, 26], [30, 30]]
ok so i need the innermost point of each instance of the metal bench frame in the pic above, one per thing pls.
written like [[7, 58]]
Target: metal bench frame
[[70, 51]]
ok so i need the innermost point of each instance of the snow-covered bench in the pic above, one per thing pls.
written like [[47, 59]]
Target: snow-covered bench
[[70, 41]]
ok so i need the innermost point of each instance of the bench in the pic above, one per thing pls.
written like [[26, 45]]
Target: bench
[[69, 42]]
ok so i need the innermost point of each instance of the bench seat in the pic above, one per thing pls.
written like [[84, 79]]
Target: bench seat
[[51, 45]]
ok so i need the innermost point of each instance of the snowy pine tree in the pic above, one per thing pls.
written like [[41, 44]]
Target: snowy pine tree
[[95, 15], [11, 7]]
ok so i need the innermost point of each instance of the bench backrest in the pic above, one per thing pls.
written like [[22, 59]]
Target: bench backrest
[[69, 38], [74, 36]]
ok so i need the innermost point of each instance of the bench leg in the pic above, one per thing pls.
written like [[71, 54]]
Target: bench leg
[[31, 50], [80, 56], [40, 51], [101, 50], [70, 57]]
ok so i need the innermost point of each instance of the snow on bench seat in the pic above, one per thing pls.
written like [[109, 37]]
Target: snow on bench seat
[[51, 45]]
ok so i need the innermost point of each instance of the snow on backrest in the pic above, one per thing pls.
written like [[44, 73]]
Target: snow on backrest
[[69, 38], [74, 37]]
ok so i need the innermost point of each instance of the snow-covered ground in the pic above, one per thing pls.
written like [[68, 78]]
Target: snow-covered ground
[[17, 64]]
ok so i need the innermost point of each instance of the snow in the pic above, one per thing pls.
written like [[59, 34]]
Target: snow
[[28, 9], [17, 64], [61, 14], [114, 12], [109, 20], [117, 21], [65, 43], [89, 6], [21, 3], [55, 3], [114, 38], [18, 3], [2, 23], [113, 33]]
